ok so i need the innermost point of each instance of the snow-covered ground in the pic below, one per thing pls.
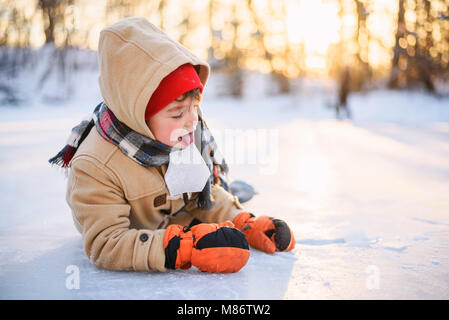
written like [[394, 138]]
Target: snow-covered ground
[[366, 199]]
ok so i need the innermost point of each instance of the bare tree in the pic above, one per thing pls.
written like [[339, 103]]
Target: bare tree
[[362, 38], [53, 12], [278, 75], [233, 59], [413, 63]]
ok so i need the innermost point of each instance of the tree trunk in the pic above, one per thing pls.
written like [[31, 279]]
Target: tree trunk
[[48, 15], [393, 82]]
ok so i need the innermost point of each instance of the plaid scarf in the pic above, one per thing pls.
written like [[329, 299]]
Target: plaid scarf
[[144, 150]]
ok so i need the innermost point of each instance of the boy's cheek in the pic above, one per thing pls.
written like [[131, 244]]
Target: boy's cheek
[[170, 136], [175, 133], [167, 139], [167, 132]]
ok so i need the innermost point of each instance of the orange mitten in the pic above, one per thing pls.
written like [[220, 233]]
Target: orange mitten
[[208, 246], [265, 233]]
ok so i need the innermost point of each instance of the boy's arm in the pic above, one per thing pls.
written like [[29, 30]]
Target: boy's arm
[[226, 208], [101, 213]]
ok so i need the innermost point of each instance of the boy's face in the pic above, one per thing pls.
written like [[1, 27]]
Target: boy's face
[[175, 124]]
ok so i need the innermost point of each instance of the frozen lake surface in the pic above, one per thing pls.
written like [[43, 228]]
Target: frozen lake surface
[[367, 200]]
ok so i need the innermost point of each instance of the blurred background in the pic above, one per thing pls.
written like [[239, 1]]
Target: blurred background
[[358, 44], [335, 111]]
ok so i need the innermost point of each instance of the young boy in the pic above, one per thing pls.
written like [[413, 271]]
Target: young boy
[[137, 206]]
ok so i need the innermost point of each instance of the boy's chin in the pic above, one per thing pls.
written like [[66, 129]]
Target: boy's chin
[[180, 145]]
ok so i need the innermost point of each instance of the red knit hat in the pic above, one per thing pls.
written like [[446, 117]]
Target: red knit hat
[[183, 79]]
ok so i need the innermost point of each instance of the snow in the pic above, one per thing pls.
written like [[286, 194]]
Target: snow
[[366, 199]]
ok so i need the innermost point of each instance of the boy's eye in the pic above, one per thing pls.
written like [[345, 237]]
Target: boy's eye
[[180, 115]]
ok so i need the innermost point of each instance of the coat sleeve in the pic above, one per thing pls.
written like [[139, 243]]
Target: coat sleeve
[[101, 214], [226, 207]]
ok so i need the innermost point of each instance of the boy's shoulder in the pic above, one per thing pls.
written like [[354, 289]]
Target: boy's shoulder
[[95, 147], [107, 157]]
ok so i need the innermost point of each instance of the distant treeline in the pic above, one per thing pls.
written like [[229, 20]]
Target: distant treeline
[[251, 34]]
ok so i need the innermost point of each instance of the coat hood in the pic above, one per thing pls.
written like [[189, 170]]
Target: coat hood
[[134, 56]]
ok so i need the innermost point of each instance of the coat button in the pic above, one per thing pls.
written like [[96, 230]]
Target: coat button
[[143, 237]]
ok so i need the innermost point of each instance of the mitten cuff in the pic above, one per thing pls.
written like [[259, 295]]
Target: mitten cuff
[[242, 219], [178, 244]]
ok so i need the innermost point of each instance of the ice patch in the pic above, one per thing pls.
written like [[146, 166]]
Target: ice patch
[[358, 239], [420, 238], [320, 242]]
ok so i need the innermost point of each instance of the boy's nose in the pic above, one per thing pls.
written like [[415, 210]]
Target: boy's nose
[[192, 119]]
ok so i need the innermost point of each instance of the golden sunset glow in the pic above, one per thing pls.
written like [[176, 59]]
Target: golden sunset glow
[[303, 26], [299, 36]]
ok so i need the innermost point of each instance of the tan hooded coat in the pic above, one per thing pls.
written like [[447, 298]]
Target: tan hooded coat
[[120, 207]]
